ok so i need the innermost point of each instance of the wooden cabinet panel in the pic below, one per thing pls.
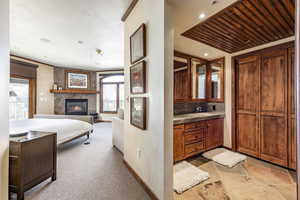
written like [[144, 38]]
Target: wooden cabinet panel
[[274, 140], [195, 125], [247, 84], [274, 82], [214, 137], [248, 105], [248, 135], [195, 136], [178, 143], [291, 91], [192, 149], [181, 86], [292, 144]]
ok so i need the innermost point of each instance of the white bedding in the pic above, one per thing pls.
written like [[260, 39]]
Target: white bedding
[[65, 128]]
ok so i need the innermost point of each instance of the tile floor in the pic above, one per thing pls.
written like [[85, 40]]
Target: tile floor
[[250, 180]]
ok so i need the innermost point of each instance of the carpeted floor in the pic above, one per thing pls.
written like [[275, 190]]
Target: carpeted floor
[[90, 172]]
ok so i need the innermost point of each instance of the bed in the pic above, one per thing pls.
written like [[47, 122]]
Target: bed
[[67, 127]]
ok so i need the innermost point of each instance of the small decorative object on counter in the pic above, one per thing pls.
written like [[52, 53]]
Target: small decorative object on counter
[[55, 86], [60, 88]]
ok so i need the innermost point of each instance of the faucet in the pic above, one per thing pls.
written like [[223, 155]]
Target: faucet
[[199, 109]]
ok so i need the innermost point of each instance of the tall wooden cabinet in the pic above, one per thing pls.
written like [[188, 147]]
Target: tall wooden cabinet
[[264, 105]]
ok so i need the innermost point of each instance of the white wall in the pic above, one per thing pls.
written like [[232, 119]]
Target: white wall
[[151, 166], [4, 80], [228, 89], [45, 80], [168, 102]]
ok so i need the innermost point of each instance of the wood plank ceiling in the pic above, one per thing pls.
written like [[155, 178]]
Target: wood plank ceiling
[[246, 24]]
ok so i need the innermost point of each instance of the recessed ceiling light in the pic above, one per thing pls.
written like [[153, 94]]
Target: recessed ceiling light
[[214, 2], [99, 51], [205, 54], [202, 15], [45, 40]]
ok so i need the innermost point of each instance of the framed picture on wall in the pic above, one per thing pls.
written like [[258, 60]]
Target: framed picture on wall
[[138, 44], [138, 112], [138, 78], [77, 79]]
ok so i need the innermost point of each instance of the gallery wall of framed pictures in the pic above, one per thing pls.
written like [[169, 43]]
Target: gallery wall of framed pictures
[[138, 75]]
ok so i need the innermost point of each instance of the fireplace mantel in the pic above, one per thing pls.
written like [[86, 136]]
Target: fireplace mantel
[[73, 91]]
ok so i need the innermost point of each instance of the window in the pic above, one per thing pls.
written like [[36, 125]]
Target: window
[[18, 99], [112, 93]]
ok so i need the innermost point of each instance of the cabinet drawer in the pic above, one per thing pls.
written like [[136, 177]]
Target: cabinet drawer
[[190, 126], [195, 125], [193, 137], [194, 148], [179, 127]]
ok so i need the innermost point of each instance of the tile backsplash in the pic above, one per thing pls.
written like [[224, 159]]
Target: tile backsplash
[[190, 107]]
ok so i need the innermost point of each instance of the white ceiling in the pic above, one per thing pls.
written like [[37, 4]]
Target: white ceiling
[[186, 15], [49, 31]]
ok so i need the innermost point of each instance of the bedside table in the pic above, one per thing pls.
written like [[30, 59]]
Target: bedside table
[[32, 160]]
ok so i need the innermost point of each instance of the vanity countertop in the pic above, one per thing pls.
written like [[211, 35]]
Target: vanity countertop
[[194, 117]]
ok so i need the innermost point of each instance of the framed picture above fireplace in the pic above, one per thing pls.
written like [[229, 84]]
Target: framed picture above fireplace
[[77, 79]]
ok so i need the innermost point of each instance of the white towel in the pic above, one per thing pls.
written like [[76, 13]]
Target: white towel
[[229, 158], [187, 176]]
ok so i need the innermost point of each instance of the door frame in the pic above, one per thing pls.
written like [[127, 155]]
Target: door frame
[[297, 92]]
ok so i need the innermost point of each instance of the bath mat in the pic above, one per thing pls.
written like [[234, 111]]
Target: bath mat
[[225, 157], [187, 176]]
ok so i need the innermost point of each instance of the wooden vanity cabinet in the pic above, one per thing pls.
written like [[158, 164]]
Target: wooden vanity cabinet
[[194, 138]]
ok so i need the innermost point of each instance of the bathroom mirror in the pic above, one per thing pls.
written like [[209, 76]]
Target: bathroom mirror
[[181, 79], [215, 88], [199, 79]]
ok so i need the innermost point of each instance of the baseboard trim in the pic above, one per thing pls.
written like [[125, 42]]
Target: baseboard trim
[[105, 121], [141, 182], [228, 148], [116, 148]]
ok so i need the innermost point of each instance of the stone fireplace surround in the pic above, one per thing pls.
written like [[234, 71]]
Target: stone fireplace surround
[[59, 99]]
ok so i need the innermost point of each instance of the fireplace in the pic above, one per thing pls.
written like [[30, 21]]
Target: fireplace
[[76, 107]]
